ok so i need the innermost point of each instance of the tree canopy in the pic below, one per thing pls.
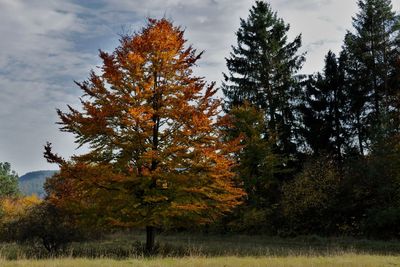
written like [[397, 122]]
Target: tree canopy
[[156, 154]]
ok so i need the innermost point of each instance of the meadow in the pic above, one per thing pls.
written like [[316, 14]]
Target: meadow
[[347, 260], [189, 249]]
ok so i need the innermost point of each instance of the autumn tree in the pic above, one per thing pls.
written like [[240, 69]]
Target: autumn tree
[[153, 129]]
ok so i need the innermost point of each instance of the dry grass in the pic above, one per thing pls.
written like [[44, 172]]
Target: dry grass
[[346, 260], [195, 250]]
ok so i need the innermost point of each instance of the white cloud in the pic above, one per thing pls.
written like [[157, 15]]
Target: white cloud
[[37, 57], [45, 45]]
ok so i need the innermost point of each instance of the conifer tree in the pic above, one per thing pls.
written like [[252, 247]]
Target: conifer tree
[[261, 71], [323, 109], [372, 52], [8, 181]]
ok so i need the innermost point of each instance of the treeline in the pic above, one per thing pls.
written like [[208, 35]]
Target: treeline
[[321, 153], [290, 155]]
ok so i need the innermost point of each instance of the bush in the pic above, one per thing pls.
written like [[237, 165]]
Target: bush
[[310, 200], [13, 209], [43, 225]]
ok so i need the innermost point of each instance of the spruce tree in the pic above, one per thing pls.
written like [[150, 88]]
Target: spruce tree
[[322, 109], [371, 68], [262, 70]]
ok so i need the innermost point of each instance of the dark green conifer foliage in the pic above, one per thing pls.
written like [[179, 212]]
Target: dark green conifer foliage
[[372, 52], [262, 70], [322, 109]]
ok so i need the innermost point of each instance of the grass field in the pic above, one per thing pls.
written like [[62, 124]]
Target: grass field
[[188, 249], [347, 260]]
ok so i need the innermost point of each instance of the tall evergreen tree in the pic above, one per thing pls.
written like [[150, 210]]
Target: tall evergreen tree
[[372, 55], [261, 71], [322, 109]]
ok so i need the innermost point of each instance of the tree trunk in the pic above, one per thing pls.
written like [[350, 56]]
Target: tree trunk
[[360, 139], [150, 230], [150, 238]]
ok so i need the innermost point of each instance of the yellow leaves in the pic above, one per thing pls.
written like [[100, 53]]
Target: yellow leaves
[[135, 58], [31, 200], [14, 208], [16, 205]]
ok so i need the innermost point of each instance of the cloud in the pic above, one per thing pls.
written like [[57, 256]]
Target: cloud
[[307, 5], [38, 59], [48, 44]]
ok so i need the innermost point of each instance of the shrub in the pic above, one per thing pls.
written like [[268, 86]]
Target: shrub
[[42, 225], [310, 199], [13, 209]]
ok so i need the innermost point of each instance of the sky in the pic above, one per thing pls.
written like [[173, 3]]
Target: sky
[[47, 44]]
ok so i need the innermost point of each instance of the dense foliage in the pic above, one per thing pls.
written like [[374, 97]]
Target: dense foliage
[[291, 154], [341, 173], [262, 70], [156, 159], [30, 220]]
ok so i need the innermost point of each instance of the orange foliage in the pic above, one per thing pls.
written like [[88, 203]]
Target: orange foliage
[[157, 154]]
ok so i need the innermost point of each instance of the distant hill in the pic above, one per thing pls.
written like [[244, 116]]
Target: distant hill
[[32, 182]]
